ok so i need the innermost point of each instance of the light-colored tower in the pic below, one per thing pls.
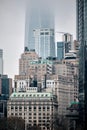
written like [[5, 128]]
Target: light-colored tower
[[39, 14], [1, 61], [44, 42], [24, 61]]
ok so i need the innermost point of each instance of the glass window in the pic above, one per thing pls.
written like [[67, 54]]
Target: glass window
[[41, 33]]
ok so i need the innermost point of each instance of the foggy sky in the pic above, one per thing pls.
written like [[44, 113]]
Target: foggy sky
[[12, 27]]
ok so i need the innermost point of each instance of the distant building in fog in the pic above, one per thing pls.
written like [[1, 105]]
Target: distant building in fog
[[44, 42], [37, 17]]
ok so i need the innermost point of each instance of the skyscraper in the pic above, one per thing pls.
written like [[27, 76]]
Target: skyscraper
[[68, 41], [38, 15], [5, 86], [44, 42], [1, 61], [60, 50], [82, 38]]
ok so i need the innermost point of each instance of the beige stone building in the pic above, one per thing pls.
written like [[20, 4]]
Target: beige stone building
[[65, 88], [34, 69], [34, 108], [24, 61], [40, 68]]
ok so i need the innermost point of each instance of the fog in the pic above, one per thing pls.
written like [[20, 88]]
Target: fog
[[12, 25], [60, 13]]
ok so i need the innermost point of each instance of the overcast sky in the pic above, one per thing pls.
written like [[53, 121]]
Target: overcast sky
[[12, 28]]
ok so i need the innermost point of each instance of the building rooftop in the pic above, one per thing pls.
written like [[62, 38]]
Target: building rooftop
[[31, 95]]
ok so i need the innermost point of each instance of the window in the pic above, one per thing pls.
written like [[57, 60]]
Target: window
[[34, 108], [48, 107], [16, 107], [44, 114], [29, 107], [20, 107], [12, 107], [39, 107], [43, 107], [20, 114], [41, 33], [29, 113], [25, 108], [12, 114], [46, 33], [16, 114], [34, 113], [23, 95]]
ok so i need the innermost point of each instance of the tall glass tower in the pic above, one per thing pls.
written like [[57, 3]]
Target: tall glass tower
[[39, 15], [82, 38], [44, 42]]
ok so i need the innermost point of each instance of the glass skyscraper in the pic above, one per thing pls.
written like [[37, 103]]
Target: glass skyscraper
[[82, 38], [44, 42], [60, 50], [39, 15]]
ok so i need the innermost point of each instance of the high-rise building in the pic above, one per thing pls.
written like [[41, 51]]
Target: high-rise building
[[24, 61], [68, 41], [60, 50], [44, 42], [37, 17], [5, 86], [1, 61], [82, 38]]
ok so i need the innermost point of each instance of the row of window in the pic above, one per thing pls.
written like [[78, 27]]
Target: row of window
[[31, 95], [33, 108], [30, 117], [30, 102]]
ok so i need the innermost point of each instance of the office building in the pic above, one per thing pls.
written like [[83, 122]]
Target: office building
[[25, 85], [24, 61], [5, 86], [65, 88], [3, 106], [35, 108], [60, 50], [82, 39], [5, 92], [34, 69], [44, 42], [76, 45], [37, 17], [1, 61], [68, 41]]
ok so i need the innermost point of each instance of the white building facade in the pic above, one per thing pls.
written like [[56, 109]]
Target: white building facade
[[35, 108]]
